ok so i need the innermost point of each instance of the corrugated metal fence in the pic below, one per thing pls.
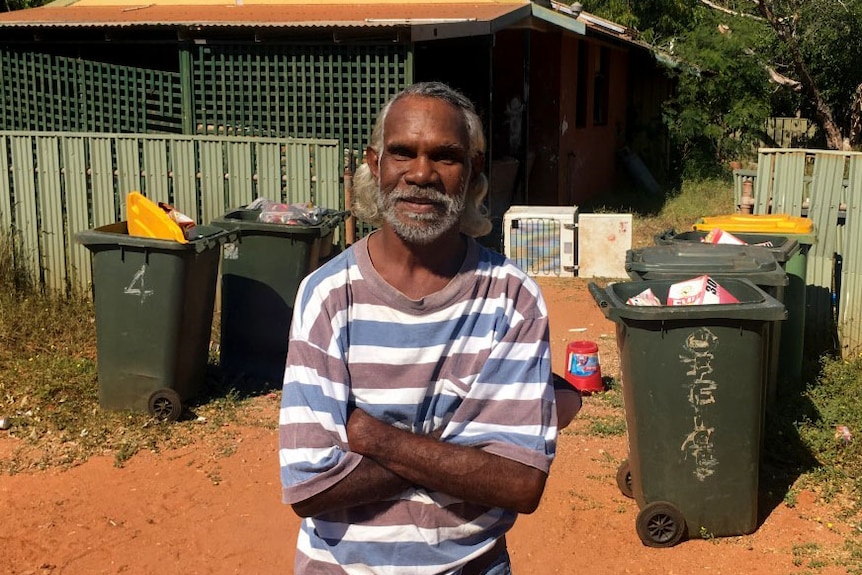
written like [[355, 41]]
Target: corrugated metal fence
[[825, 186], [53, 185]]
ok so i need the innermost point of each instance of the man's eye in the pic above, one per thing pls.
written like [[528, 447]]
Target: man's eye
[[448, 159]]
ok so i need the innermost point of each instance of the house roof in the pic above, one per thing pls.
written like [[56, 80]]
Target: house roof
[[430, 19]]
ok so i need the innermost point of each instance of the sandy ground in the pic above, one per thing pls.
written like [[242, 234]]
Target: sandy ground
[[214, 508]]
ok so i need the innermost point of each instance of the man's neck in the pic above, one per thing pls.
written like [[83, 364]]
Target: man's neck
[[417, 270]]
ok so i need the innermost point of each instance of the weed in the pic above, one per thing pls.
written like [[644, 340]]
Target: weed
[[706, 534], [606, 426]]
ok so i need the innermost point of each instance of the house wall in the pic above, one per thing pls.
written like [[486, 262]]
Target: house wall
[[589, 144], [544, 117]]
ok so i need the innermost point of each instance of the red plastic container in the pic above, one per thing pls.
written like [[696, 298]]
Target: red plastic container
[[582, 366]]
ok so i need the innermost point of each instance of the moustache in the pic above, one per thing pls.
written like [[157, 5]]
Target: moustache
[[419, 193]]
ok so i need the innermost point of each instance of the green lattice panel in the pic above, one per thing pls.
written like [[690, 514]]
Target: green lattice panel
[[44, 92], [295, 90]]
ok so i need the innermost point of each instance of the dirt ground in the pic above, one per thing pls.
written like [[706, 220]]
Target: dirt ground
[[214, 508]]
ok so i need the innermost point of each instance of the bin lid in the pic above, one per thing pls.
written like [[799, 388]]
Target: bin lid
[[782, 248], [754, 303], [688, 260], [247, 220], [117, 235], [778, 224]]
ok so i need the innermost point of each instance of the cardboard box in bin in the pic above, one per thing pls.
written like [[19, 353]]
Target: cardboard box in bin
[[702, 290]]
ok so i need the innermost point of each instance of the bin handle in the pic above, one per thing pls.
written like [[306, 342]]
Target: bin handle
[[221, 238], [598, 295]]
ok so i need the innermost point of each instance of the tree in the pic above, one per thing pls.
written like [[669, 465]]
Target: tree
[[754, 58], [9, 5], [820, 41]]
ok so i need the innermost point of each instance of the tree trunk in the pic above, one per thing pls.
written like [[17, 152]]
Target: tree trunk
[[855, 136], [822, 112]]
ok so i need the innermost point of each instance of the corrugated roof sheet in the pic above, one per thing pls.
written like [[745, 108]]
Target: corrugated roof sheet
[[243, 14]]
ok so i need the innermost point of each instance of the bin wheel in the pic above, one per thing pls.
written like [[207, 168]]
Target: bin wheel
[[660, 524], [624, 479], [165, 405]]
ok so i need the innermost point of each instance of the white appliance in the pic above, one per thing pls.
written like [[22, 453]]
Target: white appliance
[[560, 241], [541, 239]]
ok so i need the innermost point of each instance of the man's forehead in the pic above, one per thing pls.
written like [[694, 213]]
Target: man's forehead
[[450, 116]]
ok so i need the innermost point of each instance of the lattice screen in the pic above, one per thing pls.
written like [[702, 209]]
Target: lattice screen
[[301, 91], [45, 92]]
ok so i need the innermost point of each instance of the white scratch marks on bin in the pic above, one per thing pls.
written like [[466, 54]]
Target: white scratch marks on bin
[[138, 285], [700, 346]]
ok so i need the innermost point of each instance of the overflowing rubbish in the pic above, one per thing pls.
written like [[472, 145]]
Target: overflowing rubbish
[[702, 290], [161, 221], [306, 214], [719, 236]]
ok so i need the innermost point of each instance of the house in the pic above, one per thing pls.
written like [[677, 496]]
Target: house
[[561, 91]]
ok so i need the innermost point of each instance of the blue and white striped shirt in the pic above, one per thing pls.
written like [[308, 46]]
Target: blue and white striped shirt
[[472, 359]]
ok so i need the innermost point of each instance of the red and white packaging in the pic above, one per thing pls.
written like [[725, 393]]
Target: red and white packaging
[[719, 236], [645, 298], [701, 290]]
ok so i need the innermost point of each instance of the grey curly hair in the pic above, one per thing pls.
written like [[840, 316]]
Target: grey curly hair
[[474, 220]]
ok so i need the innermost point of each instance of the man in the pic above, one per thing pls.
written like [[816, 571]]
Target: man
[[417, 415]]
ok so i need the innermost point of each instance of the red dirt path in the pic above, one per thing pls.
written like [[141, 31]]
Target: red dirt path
[[215, 509]]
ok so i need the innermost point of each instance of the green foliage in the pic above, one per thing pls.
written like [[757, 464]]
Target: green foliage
[[824, 29], [718, 114], [836, 400], [9, 5]]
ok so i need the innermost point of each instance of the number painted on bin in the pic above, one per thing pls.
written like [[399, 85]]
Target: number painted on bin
[[137, 286], [699, 354]]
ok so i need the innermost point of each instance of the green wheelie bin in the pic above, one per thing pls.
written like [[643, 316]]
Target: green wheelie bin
[[789, 254], [692, 394], [154, 302], [260, 276], [755, 228], [681, 261]]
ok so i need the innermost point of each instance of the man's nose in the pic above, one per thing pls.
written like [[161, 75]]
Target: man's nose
[[421, 172]]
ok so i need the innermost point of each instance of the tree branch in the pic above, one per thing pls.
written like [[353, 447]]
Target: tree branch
[[715, 6]]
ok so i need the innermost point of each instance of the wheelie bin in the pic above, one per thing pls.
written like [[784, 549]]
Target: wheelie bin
[[692, 395], [154, 301], [681, 261], [260, 276], [754, 227], [788, 253]]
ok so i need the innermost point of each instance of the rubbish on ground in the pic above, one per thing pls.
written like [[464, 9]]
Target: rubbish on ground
[[842, 433]]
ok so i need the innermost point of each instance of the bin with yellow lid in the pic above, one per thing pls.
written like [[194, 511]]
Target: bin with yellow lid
[[792, 227]]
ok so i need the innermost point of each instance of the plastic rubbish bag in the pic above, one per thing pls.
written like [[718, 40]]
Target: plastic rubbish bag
[[296, 214]]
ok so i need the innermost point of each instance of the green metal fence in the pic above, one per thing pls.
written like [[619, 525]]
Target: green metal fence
[[53, 185], [825, 186]]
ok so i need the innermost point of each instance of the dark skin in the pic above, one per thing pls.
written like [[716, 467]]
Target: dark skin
[[426, 144]]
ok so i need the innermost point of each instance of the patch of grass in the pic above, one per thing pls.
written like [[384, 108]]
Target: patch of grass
[[677, 210], [606, 426], [824, 415], [49, 386]]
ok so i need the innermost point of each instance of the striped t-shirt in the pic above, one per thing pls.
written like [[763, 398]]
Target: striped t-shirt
[[473, 358]]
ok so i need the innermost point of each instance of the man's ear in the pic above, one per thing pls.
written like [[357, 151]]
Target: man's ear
[[372, 159]]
